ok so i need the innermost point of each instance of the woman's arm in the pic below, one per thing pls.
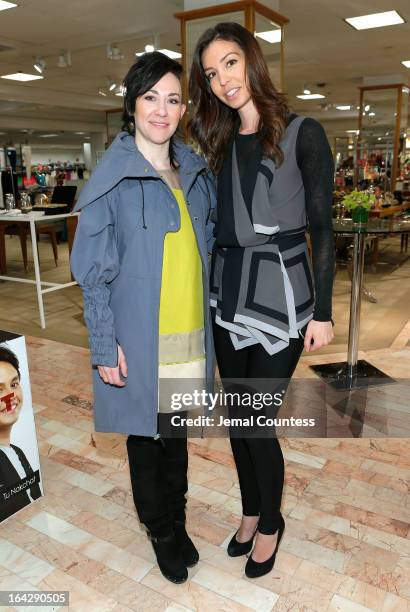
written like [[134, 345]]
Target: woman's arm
[[95, 264], [315, 161]]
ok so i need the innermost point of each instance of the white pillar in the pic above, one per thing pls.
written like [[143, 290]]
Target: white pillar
[[97, 147], [87, 155], [26, 151]]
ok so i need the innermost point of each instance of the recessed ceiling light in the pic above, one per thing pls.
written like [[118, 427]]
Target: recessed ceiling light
[[352, 131], [48, 135], [6, 5], [379, 138], [375, 20], [79, 132], [306, 90], [22, 76], [372, 114], [271, 36], [343, 107], [367, 107], [310, 96], [102, 93], [406, 63], [149, 48]]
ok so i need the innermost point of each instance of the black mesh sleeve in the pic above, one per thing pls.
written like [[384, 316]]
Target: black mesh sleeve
[[315, 161]]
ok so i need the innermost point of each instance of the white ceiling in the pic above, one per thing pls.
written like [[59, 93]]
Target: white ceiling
[[319, 47]]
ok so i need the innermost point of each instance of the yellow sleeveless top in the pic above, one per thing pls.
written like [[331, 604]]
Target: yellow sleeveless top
[[181, 312], [181, 304]]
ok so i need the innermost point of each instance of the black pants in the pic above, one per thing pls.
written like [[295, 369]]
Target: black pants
[[259, 460], [158, 470]]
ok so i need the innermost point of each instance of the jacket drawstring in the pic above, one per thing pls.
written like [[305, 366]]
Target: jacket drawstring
[[143, 205]]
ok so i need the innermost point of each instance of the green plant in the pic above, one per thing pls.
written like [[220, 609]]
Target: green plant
[[358, 199]]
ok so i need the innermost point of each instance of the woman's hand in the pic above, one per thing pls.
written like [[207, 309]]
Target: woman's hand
[[111, 376], [321, 332]]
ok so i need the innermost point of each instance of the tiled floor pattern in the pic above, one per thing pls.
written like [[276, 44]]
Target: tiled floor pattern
[[346, 502]]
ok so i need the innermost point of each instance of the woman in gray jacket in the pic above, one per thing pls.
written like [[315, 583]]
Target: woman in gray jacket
[[141, 258]]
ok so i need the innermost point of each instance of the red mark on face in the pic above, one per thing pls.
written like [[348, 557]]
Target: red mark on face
[[7, 400]]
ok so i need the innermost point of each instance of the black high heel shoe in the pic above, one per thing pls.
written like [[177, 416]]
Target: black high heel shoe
[[187, 548], [169, 557], [254, 569], [237, 549]]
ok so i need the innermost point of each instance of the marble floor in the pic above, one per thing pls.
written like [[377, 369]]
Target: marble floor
[[346, 502]]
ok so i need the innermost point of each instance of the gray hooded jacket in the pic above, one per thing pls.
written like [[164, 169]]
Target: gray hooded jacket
[[126, 211]]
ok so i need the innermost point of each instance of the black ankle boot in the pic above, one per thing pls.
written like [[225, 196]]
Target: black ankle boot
[[169, 557], [254, 569], [186, 546]]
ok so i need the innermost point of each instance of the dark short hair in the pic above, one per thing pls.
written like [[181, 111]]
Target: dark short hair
[[141, 77], [7, 356]]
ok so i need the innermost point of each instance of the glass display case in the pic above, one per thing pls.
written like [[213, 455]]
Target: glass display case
[[381, 143], [266, 24]]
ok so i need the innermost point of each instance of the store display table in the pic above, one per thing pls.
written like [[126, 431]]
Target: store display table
[[32, 218], [354, 372]]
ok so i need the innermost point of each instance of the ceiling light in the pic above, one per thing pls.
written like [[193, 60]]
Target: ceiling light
[[64, 59], [352, 131], [306, 90], [171, 54], [102, 92], [271, 36], [6, 5], [79, 132], [406, 63], [113, 52], [405, 90], [375, 20], [22, 76], [39, 64], [121, 91], [112, 86], [379, 138], [48, 135], [310, 96], [343, 107], [367, 107], [149, 48], [372, 114]]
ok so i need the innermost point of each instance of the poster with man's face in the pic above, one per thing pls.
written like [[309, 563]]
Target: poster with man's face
[[20, 476]]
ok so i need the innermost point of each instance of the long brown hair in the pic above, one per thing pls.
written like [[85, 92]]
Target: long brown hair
[[214, 123]]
